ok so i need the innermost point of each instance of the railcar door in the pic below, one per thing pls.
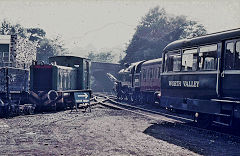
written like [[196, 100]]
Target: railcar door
[[231, 69]]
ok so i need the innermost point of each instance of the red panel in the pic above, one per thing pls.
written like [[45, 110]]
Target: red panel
[[152, 84]]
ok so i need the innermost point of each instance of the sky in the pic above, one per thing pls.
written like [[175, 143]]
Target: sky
[[98, 25]]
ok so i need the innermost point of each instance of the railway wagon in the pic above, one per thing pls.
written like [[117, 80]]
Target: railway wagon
[[202, 76], [52, 86], [13, 90], [150, 82]]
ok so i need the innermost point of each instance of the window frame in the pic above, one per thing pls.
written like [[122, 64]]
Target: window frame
[[185, 49], [207, 45], [165, 60], [235, 53], [234, 65], [198, 47]]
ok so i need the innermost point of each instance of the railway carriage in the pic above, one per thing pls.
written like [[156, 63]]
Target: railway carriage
[[52, 86], [150, 82], [202, 75]]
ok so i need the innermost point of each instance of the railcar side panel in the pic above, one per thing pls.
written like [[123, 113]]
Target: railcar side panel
[[185, 85]]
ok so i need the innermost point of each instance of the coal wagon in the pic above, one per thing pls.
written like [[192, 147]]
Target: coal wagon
[[14, 91]]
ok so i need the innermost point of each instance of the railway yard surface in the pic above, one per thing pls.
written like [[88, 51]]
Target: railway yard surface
[[108, 131]]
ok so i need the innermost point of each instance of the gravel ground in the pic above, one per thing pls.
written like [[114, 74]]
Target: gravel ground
[[107, 131]]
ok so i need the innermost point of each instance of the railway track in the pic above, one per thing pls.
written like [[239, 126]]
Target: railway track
[[162, 115]]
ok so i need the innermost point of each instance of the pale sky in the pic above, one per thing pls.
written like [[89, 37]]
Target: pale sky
[[111, 23]]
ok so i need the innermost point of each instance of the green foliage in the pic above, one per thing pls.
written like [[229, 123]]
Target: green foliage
[[50, 47], [9, 29], [36, 34], [155, 31], [45, 47], [106, 57]]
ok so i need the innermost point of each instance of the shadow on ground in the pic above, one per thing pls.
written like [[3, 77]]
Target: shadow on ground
[[198, 141]]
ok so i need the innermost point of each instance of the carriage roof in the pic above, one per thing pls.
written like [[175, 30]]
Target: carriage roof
[[203, 40]]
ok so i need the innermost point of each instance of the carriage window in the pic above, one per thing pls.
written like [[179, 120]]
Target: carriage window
[[156, 73], [150, 73], [208, 57], [144, 74], [189, 60], [172, 61], [229, 55], [237, 56], [128, 77], [159, 72]]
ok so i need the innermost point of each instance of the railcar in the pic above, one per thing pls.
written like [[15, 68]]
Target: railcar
[[53, 85], [202, 75]]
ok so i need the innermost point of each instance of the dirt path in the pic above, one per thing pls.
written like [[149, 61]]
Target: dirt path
[[105, 132]]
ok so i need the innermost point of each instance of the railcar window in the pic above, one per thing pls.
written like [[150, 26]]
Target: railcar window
[[229, 55], [208, 57], [189, 60], [172, 61], [177, 62], [237, 56]]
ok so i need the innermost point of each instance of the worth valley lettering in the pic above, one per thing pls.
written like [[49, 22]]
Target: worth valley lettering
[[183, 83]]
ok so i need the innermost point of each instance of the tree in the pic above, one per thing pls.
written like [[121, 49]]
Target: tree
[[10, 29], [45, 47], [106, 57], [36, 34], [155, 31], [50, 47]]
